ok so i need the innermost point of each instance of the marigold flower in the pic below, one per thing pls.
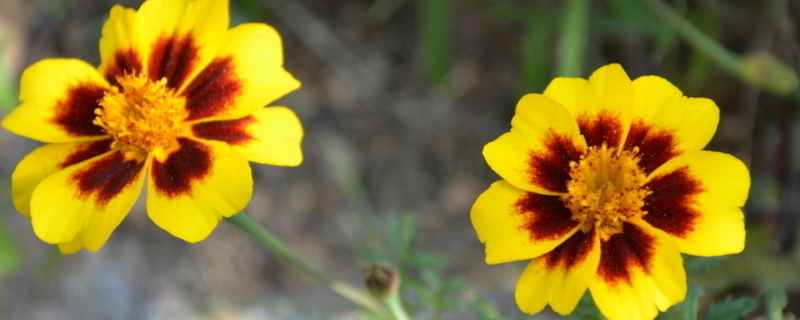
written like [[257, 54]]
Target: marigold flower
[[177, 103], [604, 185]]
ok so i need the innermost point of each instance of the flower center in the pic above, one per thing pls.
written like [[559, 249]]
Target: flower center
[[143, 116], [605, 189]]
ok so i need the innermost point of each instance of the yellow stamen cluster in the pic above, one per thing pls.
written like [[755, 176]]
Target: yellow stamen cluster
[[142, 116], [605, 190]]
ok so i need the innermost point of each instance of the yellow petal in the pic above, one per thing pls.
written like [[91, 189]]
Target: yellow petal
[[270, 135], [71, 247], [118, 44], [180, 37], [697, 198], [640, 273], [246, 75], [535, 155], [87, 200], [601, 105], [44, 161], [58, 97], [516, 225], [666, 123], [560, 277], [196, 186]]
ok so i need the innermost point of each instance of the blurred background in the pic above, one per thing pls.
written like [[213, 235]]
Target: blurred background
[[398, 99]]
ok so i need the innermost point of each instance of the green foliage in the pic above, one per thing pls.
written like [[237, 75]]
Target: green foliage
[[574, 37], [688, 309], [699, 265], [731, 309], [586, 309], [421, 283], [8, 88], [485, 310], [435, 26], [10, 259], [537, 35]]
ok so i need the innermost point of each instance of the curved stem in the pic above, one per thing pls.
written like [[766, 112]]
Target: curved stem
[[396, 307], [263, 236], [702, 42]]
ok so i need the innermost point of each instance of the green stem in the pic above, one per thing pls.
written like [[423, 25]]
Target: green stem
[[263, 236], [699, 40], [759, 69], [396, 307], [574, 34]]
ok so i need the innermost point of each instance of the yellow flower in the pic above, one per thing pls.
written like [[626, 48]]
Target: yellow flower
[[177, 103], [605, 184]]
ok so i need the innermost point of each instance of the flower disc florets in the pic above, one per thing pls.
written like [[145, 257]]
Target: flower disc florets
[[605, 189], [142, 116]]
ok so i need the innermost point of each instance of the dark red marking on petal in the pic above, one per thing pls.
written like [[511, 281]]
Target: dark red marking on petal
[[190, 163], [75, 113], [601, 128], [107, 177], [572, 252], [669, 206], [213, 90], [234, 132], [87, 151], [549, 168], [546, 217], [632, 248], [173, 58], [124, 62], [655, 146]]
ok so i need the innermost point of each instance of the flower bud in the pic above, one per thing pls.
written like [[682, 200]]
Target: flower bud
[[381, 279]]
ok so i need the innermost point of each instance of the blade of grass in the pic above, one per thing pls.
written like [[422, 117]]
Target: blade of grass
[[535, 60], [573, 38], [435, 41]]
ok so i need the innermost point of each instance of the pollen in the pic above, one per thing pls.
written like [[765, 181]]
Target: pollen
[[142, 115], [606, 189]]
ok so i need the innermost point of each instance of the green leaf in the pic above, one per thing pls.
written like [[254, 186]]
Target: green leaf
[[370, 254], [731, 309], [10, 260], [435, 39], [535, 61], [425, 261], [485, 310], [402, 237], [8, 94], [586, 309], [573, 39], [688, 308], [700, 265]]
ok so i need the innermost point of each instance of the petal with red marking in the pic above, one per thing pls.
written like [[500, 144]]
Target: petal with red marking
[[270, 135], [640, 273], [246, 75], [535, 155], [196, 186], [87, 200], [697, 198], [516, 224], [666, 123], [179, 37], [46, 160], [601, 105], [561, 276], [58, 97], [118, 55]]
